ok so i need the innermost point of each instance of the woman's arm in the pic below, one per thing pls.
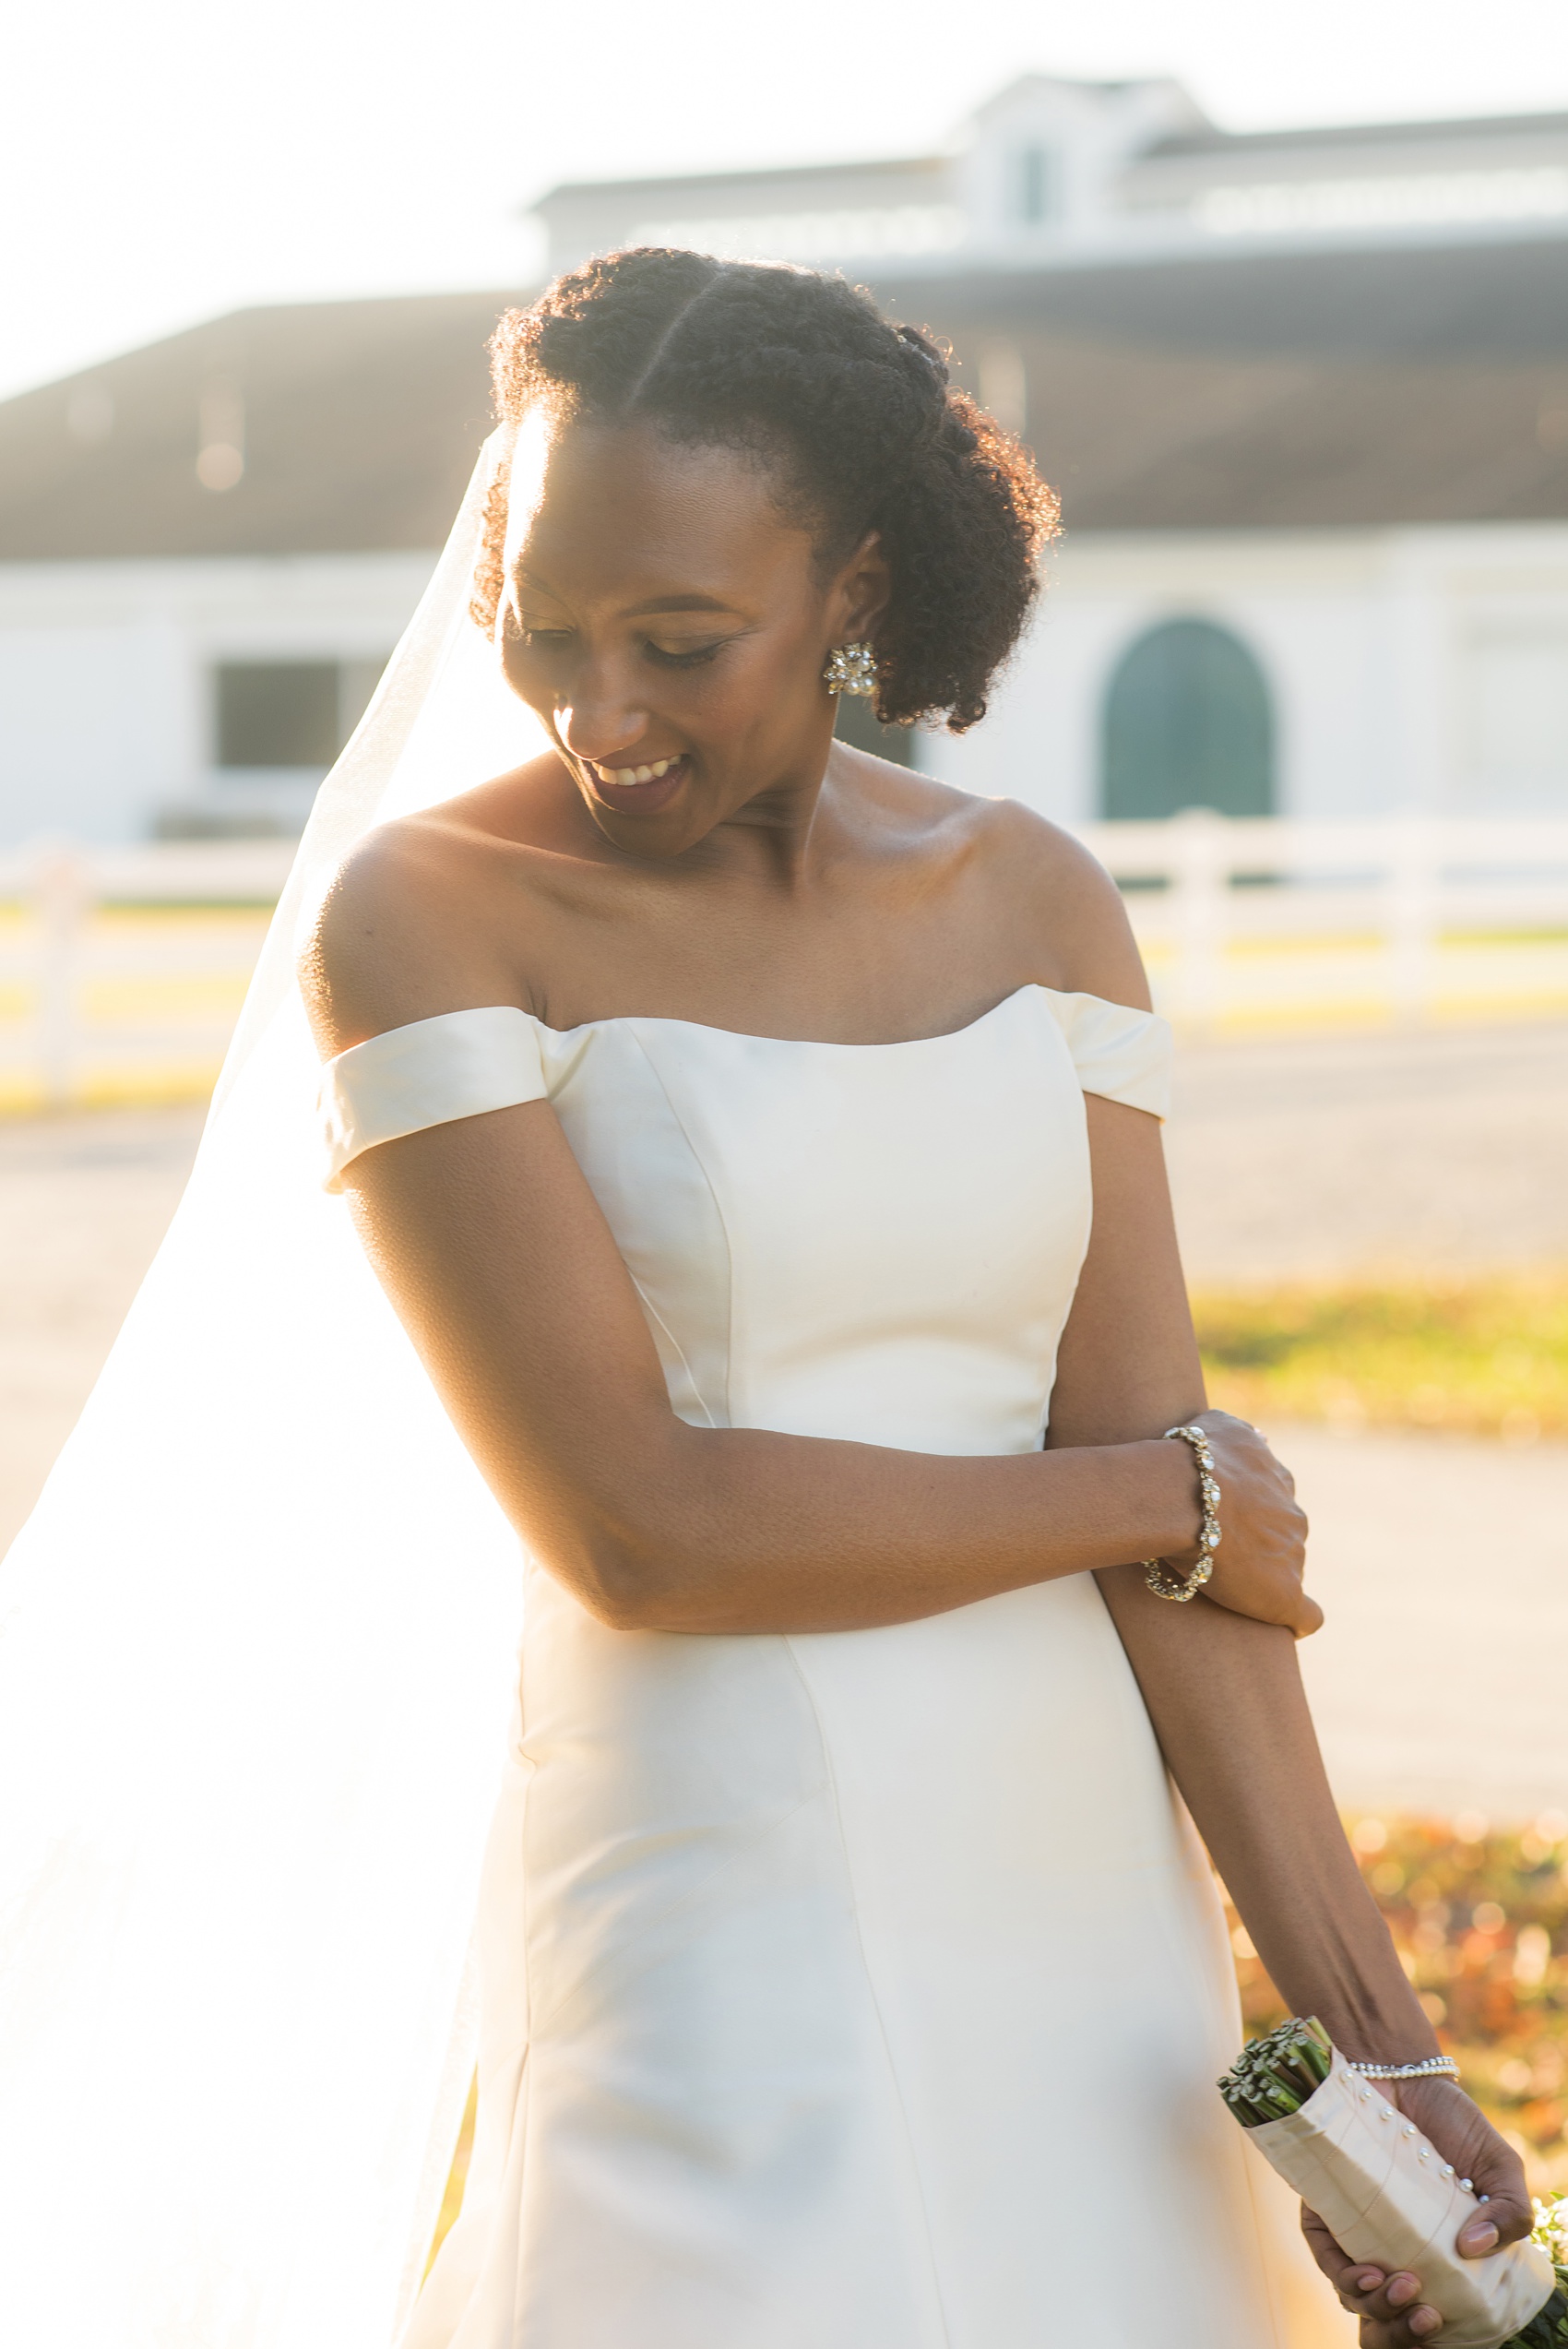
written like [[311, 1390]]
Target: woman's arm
[[1225, 1695], [1226, 1699]]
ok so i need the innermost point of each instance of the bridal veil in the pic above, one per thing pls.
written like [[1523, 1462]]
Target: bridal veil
[[256, 1651]]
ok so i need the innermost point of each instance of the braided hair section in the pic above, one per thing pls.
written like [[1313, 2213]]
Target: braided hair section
[[855, 417]]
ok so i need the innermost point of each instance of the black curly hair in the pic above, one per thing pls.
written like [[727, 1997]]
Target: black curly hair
[[858, 414]]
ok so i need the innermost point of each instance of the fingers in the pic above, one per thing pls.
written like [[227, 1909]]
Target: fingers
[[1505, 2213], [1464, 2137], [1266, 1588], [1502, 2218], [1259, 1565], [1308, 1617], [1389, 2308]]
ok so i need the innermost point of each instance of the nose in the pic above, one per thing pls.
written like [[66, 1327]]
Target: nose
[[598, 723]]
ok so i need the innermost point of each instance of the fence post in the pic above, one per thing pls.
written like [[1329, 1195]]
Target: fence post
[[1200, 865], [1412, 917], [61, 894]]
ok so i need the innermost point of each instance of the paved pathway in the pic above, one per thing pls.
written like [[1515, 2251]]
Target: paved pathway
[[1308, 1157], [1441, 1679]]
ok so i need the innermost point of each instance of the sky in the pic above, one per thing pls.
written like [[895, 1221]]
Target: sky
[[167, 162]]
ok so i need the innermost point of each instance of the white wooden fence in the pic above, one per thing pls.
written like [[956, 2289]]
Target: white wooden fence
[[56, 949], [1404, 917], [1256, 919]]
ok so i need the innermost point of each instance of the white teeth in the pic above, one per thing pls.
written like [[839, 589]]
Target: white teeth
[[623, 775]]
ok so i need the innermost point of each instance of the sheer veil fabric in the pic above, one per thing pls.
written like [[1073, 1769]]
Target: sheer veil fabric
[[258, 1648]]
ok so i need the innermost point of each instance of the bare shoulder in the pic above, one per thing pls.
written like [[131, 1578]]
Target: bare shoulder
[[410, 927], [1058, 902], [1048, 905]]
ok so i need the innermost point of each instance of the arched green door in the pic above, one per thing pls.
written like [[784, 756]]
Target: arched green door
[[1188, 724]]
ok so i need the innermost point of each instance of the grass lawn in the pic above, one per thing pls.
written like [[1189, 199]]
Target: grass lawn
[[1481, 1356]]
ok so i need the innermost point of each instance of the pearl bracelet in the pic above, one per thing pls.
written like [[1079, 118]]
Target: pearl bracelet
[[1430, 2068], [1161, 1579]]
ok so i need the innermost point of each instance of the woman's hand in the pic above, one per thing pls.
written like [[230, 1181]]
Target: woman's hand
[[1388, 2302], [1262, 1532]]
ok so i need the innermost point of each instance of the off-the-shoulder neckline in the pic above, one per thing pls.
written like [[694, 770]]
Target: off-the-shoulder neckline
[[816, 1043]]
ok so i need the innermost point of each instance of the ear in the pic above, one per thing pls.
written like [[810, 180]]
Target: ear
[[860, 593]]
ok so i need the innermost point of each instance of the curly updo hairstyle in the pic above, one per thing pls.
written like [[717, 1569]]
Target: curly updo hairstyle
[[857, 417]]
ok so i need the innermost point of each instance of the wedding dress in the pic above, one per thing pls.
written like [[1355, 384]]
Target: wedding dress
[[861, 1990]]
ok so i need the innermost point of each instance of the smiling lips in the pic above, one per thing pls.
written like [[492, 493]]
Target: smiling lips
[[620, 776]]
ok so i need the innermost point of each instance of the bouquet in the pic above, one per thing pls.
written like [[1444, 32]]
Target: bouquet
[[1386, 2195]]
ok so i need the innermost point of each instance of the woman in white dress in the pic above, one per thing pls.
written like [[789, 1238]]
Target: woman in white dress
[[722, 1110]]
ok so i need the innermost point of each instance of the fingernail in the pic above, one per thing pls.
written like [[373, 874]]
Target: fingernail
[[1402, 2291], [1479, 2239], [1425, 2321], [1370, 2281]]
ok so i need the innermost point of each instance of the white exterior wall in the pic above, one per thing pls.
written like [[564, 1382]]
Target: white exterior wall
[[1422, 668], [1416, 668], [105, 679]]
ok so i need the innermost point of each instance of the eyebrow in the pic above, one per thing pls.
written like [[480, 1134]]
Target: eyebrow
[[676, 603], [642, 611]]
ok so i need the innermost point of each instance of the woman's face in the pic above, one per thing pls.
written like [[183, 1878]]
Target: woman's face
[[670, 625]]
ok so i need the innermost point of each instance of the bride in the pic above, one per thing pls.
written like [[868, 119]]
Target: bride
[[720, 1109]]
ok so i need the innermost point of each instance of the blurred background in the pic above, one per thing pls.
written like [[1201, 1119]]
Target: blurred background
[[1280, 301]]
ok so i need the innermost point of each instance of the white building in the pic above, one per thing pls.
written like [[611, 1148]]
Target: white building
[[208, 548], [1305, 395]]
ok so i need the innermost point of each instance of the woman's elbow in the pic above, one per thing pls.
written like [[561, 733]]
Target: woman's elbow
[[623, 1536], [636, 1570]]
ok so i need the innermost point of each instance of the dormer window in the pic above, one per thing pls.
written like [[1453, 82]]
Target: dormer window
[[1035, 194]]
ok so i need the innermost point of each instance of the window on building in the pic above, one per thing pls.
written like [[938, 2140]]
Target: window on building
[[287, 713], [276, 713], [1188, 723], [1034, 184]]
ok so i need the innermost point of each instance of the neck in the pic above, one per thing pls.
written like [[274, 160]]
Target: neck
[[777, 836]]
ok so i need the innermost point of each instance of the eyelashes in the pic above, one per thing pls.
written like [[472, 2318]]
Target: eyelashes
[[545, 641], [692, 658]]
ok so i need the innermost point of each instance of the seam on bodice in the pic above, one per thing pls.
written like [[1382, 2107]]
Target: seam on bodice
[[895, 2085], [676, 1348], [702, 1167]]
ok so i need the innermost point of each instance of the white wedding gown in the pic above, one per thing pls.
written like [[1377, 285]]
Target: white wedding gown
[[861, 1990]]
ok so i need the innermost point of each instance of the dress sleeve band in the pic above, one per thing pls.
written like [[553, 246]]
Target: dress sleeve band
[[1119, 1051], [433, 1071]]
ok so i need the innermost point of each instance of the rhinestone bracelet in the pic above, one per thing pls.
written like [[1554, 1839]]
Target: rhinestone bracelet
[[1162, 1580], [1430, 2068]]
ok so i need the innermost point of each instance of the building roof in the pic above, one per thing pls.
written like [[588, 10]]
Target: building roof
[[1310, 138], [360, 423], [1347, 390], [672, 187], [1350, 390], [1502, 302]]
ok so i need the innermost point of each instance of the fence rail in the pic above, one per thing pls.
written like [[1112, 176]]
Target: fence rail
[[121, 969], [141, 1008], [1409, 918]]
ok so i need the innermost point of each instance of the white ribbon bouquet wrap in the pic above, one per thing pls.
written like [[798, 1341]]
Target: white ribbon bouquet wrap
[[1385, 2193]]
